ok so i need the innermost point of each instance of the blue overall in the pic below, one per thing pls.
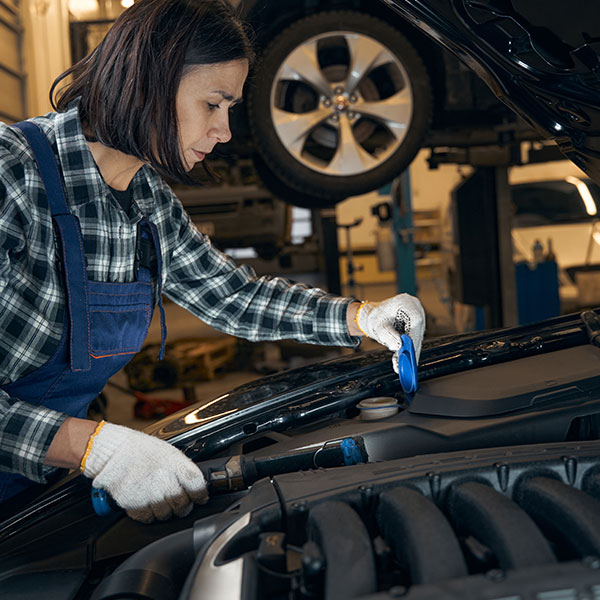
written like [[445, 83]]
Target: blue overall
[[105, 323]]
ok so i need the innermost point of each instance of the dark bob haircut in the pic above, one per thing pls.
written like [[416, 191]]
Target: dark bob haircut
[[127, 86]]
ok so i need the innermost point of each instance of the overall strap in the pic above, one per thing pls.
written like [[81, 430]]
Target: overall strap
[[156, 243], [71, 243]]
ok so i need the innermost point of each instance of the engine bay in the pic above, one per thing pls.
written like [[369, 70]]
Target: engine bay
[[340, 448]]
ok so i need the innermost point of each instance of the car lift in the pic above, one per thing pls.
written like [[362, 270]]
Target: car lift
[[486, 274], [402, 225]]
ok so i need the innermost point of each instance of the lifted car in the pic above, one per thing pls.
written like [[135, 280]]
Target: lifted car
[[344, 95]]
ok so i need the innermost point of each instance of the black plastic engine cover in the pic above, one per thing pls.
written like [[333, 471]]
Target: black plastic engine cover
[[528, 383]]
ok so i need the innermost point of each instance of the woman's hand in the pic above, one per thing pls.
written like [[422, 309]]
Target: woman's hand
[[146, 476], [386, 321]]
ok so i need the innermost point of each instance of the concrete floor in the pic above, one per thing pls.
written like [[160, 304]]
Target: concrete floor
[[181, 324]]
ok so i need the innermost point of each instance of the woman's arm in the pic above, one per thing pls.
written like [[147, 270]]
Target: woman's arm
[[233, 299], [353, 328], [26, 433], [68, 446]]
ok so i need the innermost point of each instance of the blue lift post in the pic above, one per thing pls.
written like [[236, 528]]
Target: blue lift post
[[402, 219]]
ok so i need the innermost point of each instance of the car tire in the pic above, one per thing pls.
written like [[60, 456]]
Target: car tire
[[382, 115], [284, 192]]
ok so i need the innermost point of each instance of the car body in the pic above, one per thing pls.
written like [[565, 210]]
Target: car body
[[489, 391], [542, 64], [484, 484]]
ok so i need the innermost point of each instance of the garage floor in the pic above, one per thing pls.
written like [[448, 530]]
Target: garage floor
[[181, 324]]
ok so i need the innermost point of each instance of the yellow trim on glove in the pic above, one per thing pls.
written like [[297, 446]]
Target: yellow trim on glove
[[90, 443], [356, 316]]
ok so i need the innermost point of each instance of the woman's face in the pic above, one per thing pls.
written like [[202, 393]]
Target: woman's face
[[205, 95]]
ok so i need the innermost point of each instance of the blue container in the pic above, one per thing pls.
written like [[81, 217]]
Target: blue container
[[537, 291]]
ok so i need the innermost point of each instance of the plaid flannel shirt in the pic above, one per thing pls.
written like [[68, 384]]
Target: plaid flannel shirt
[[198, 277]]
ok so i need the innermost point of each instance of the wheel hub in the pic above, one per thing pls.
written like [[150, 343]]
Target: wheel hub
[[341, 103]]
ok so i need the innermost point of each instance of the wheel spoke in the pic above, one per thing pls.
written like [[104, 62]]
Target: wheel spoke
[[394, 112], [303, 65], [293, 128], [350, 158], [365, 55]]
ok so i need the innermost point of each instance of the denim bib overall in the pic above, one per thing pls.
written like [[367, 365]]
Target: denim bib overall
[[105, 324]]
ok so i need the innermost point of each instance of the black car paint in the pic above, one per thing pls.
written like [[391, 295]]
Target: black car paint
[[293, 398], [543, 64]]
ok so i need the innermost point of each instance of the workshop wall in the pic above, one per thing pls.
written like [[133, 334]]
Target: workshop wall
[[12, 68], [46, 49]]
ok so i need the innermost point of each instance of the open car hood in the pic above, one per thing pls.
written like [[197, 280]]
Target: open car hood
[[541, 59]]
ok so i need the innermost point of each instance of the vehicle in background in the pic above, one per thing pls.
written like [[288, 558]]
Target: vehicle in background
[[345, 93], [563, 216], [239, 217], [554, 219], [237, 212]]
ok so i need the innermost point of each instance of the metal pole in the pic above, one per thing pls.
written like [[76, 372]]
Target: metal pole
[[508, 286], [402, 218], [328, 237]]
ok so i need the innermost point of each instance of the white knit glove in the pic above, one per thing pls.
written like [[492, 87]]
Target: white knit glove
[[148, 477], [386, 321]]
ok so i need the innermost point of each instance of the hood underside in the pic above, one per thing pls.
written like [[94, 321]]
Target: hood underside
[[544, 63]]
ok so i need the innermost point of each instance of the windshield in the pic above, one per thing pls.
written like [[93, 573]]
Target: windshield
[[542, 203]]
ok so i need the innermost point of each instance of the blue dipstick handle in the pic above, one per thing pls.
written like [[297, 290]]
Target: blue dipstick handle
[[103, 504], [407, 365]]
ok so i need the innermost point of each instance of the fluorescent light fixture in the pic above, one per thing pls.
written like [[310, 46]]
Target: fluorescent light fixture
[[127, 3], [81, 8], [586, 195]]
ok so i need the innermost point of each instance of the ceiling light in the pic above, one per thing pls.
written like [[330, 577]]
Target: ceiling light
[[81, 8]]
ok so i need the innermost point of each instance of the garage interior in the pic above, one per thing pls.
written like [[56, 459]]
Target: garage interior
[[368, 160], [401, 237]]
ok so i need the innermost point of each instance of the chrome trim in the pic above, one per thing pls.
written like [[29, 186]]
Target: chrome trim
[[220, 581]]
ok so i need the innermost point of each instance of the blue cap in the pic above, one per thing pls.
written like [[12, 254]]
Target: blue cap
[[407, 365], [101, 502]]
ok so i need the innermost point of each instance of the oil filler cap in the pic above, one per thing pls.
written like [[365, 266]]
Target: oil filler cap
[[103, 504], [407, 365]]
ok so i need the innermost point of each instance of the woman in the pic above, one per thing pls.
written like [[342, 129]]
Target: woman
[[91, 236]]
